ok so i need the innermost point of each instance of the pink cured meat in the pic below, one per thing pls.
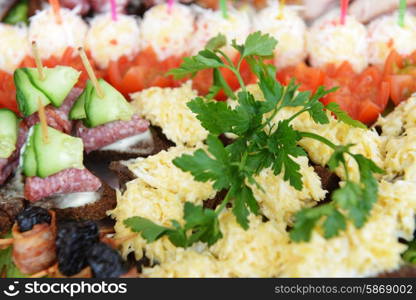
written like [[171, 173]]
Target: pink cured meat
[[8, 165], [65, 182], [57, 117], [98, 137]]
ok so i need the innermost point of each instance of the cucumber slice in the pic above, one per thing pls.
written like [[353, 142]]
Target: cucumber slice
[[9, 130], [112, 107], [27, 95], [62, 152], [78, 109], [29, 159], [57, 84]]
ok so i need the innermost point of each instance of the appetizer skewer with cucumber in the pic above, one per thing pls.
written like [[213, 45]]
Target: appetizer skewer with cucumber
[[53, 87], [107, 124]]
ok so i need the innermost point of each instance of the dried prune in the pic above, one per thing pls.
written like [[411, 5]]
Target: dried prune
[[72, 244], [105, 262], [31, 216]]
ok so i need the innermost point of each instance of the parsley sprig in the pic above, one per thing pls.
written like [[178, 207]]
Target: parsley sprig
[[410, 254], [260, 143]]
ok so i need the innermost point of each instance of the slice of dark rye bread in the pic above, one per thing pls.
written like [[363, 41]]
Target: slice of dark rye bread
[[94, 211], [12, 202], [157, 143]]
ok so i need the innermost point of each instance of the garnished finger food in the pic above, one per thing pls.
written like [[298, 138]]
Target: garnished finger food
[[166, 32], [54, 41], [329, 41], [385, 34], [14, 46], [108, 39], [285, 25]]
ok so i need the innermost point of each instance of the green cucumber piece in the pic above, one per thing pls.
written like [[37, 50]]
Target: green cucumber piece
[[18, 14], [60, 153], [9, 131], [27, 95], [78, 109], [112, 107], [57, 84], [29, 159]]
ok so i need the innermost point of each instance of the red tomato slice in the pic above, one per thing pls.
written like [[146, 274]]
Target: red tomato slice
[[133, 80], [401, 87], [142, 72], [308, 78], [7, 92], [368, 112], [393, 62]]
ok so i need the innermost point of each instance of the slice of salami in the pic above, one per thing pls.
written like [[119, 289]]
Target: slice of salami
[[98, 137], [65, 182], [57, 117]]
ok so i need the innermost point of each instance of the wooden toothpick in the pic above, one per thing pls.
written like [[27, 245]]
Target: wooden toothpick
[[43, 121], [90, 72], [38, 61]]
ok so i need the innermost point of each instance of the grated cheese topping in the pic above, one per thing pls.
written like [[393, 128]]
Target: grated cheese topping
[[108, 40], [403, 117], [168, 33], [385, 34], [400, 154], [189, 264], [290, 31], [330, 42], [53, 38], [166, 108], [14, 46], [367, 251], [159, 194], [255, 252], [399, 137], [280, 201]]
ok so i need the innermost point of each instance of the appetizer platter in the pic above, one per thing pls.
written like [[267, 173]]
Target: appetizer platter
[[207, 138]]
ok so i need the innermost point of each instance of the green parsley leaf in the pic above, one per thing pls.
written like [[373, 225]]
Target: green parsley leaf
[[272, 91], [248, 118], [308, 218], [337, 156], [219, 84], [334, 223], [317, 113], [410, 254], [216, 42], [283, 143], [205, 168], [203, 223], [149, 230], [305, 221], [243, 204], [343, 116], [215, 116], [258, 44], [206, 59]]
